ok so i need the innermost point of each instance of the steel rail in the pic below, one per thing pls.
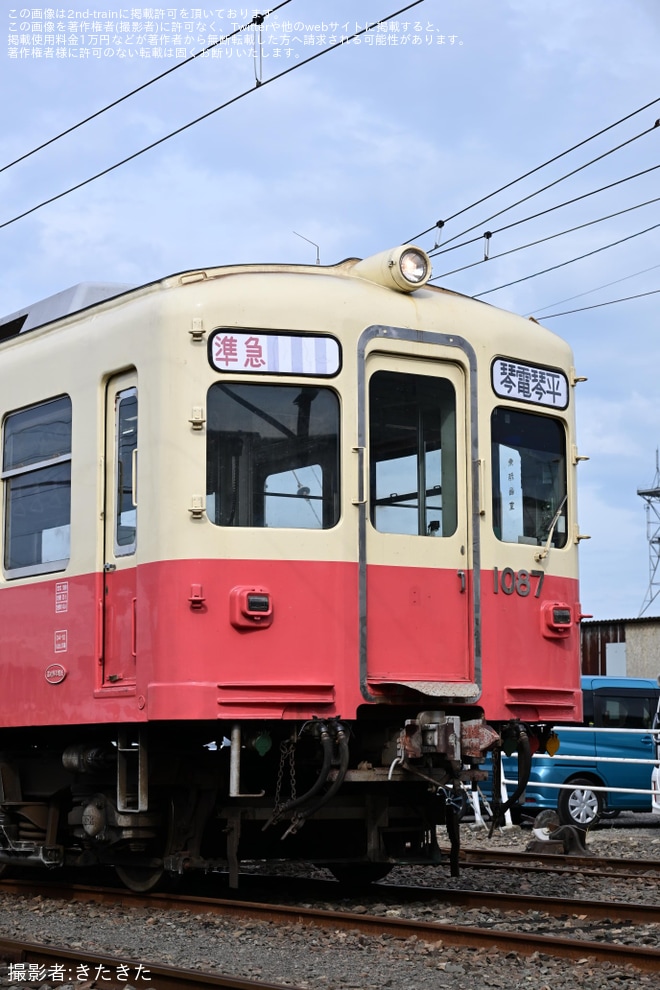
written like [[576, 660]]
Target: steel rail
[[570, 862], [616, 911], [164, 977], [620, 954], [647, 959], [329, 890]]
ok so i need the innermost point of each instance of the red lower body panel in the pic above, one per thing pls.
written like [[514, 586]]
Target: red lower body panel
[[187, 651], [530, 670]]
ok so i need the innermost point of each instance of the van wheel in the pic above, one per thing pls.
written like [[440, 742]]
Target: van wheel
[[580, 806]]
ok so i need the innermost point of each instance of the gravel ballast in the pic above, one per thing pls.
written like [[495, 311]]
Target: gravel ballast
[[307, 957]]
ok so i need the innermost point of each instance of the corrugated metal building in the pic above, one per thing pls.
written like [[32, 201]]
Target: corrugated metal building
[[623, 647]]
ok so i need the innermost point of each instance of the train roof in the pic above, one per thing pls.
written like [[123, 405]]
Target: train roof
[[60, 304], [86, 294], [379, 269]]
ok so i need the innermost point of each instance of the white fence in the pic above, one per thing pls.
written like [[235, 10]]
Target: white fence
[[653, 790]]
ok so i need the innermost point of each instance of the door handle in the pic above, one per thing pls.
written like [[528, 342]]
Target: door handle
[[461, 578], [362, 479]]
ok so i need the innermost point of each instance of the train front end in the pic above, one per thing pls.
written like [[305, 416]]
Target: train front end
[[388, 584], [338, 568]]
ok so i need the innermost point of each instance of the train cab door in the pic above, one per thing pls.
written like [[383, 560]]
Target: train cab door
[[417, 524], [120, 532]]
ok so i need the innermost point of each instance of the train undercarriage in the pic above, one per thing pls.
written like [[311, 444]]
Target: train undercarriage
[[162, 801]]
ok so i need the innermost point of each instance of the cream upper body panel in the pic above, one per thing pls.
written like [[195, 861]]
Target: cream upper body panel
[[162, 330]]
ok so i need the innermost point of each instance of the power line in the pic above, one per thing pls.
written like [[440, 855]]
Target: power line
[[598, 288], [205, 116], [611, 302], [441, 223], [550, 237], [550, 209], [556, 182], [569, 262], [256, 20]]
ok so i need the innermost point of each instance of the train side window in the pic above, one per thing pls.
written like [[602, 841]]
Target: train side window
[[412, 444], [529, 478], [126, 413], [272, 456], [36, 471]]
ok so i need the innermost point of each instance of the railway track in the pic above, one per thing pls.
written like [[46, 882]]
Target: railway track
[[533, 861], [328, 890], [507, 939], [113, 972]]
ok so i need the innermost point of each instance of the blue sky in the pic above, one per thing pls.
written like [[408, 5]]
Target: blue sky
[[359, 150]]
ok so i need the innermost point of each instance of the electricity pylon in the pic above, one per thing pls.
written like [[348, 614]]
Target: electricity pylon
[[652, 498]]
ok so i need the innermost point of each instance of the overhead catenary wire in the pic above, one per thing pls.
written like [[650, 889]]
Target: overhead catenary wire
[[555, 182], [205, 116], [256, 20], [562, 264], [610, 302], [549, 237], [542, 213], [487, 235], [598, 288], [532, 171]]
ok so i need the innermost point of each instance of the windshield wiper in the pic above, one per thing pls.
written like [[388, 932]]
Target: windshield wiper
[[555, 519]]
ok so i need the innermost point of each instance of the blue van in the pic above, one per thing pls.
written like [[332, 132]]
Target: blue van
[[613, 706]]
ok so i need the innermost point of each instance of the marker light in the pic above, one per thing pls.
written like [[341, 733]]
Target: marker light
[[404, 268], [556, 619], [250, 608]]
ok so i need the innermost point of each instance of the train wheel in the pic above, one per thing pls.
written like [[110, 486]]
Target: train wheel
[[359, 874], [141, 879], [580, 806]]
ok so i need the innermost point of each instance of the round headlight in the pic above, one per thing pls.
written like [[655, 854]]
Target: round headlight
[[414, 265], [404, 268]]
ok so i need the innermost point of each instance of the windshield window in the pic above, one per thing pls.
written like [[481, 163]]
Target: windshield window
[[412, 429], [529, 478], [272, 456]]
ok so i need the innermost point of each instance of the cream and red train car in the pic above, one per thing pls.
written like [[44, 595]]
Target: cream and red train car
[[285, 551]]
